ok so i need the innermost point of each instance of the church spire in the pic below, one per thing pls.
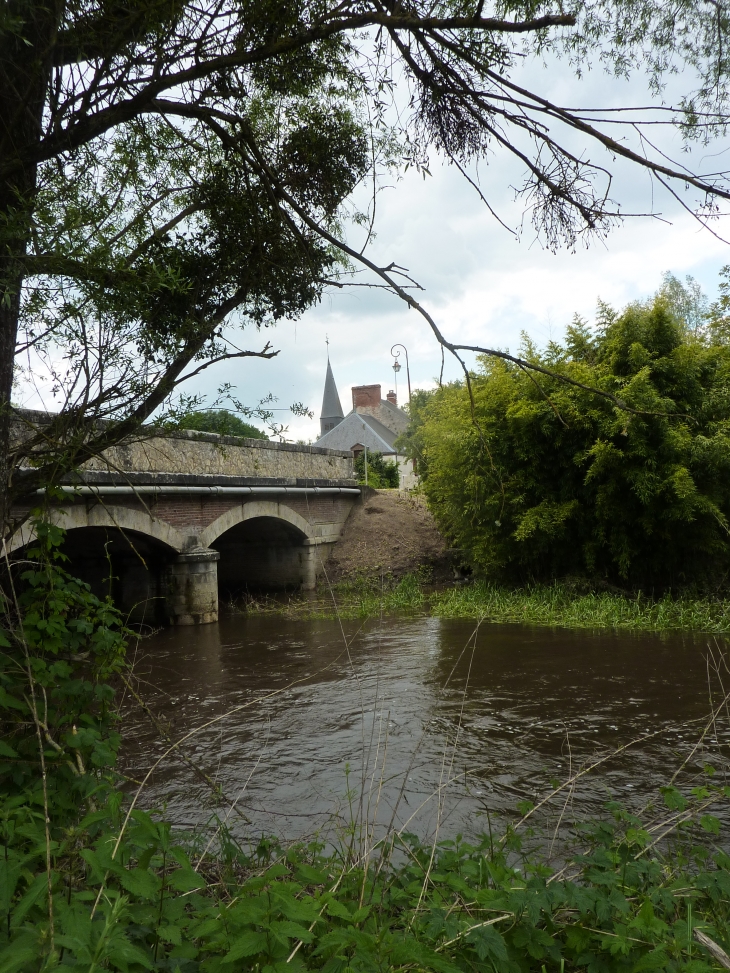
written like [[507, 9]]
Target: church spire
[[332, 413]]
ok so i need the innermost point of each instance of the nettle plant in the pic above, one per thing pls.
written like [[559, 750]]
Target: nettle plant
[[60, 645]]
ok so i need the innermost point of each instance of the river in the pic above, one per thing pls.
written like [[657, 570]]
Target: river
[[422, 724]]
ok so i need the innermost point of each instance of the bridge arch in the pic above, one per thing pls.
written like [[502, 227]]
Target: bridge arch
[[77, 515], [263, 545], [250, 511], [120, 552]]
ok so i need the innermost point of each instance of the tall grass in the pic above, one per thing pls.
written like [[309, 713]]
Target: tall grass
[[560, 605], [358, 598]]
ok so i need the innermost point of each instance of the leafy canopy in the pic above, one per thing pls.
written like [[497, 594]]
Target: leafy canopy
[[222, 422], [548, 480], [171, 174]]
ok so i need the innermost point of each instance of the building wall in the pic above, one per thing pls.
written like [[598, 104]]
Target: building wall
[[408, 479]]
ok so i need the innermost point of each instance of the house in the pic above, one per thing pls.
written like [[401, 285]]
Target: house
[[374, 423]]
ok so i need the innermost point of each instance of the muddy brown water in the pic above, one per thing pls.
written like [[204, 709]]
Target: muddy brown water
[[418, 722]]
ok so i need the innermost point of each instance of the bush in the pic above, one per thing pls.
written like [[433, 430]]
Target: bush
[[549, 480], [382, 474], [220, 421]]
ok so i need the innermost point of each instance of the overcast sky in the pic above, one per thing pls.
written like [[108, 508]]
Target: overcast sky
[[482, 285]]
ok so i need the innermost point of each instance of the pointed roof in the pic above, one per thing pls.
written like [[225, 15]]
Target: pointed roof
[[331, 408]]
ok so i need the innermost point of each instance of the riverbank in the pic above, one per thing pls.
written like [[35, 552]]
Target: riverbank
[[94, 877], [134, 895], [391, 534], [559, 605]]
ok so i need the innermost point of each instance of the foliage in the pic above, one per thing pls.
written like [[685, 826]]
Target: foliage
[[382, 473], [687, 302], [358, 597], [132, 895], [568, 606], [59, 646], [548, 479], [220, 421], [170, 173]]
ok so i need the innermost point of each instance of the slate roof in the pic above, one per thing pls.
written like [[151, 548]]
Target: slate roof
[[356, 429], [331, 407], [396, 412]]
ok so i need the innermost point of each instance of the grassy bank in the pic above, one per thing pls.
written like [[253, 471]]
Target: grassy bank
[[559, 605], [359, 598]]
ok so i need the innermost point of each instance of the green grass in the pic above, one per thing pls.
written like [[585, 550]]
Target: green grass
[[560, 605], [359, 598]]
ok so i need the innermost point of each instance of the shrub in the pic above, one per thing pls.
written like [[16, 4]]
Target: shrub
[[549, 480], [222, 422], [382, 474]]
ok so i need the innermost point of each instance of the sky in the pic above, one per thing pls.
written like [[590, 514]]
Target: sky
[[482, 284]]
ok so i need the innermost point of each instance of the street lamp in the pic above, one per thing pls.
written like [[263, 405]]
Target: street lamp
[[397, 366]]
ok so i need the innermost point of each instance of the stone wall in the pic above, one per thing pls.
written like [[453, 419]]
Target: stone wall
[[208, 453]]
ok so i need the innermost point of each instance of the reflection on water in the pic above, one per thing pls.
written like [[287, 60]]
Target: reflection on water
[[415, 721]]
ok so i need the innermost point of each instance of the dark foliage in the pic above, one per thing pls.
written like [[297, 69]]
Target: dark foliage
[[548, 480], [220, 421], [382, 473]]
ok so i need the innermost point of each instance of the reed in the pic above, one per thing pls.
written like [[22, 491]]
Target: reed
[[357, 598], [560, 605]]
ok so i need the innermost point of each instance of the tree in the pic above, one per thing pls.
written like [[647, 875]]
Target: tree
[[170, 171], [222, 422], [546, 480]]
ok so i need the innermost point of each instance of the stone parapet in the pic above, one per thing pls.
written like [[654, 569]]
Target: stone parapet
[[208, 454]]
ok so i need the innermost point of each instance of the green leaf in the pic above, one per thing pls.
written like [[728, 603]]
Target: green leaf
[[170, 934], [361, 914], [710, 824], [292, 930], [140, 882], [19, 952], [311, 876], [36, 893], [185, 880], [247, 944]]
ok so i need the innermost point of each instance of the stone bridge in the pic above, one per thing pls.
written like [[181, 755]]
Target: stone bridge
[[165, 523]]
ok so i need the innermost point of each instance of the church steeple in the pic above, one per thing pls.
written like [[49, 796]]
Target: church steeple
[[332, 413]]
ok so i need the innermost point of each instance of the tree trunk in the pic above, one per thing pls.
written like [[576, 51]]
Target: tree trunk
[[26, 58]]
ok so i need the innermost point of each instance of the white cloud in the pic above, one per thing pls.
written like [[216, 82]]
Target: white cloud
[[481, 285]]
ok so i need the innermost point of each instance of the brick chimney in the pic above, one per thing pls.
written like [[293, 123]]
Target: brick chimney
[[392, 397], [367, 396]]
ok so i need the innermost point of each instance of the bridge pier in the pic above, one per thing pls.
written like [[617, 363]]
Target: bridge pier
[[192, 588]]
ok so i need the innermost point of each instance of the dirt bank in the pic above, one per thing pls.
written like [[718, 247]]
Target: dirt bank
[[390, 533]]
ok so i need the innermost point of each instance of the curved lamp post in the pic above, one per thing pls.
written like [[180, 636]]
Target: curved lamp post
[[397, 366]]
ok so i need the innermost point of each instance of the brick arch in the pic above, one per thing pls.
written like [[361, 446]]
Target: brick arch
[[77, 516], [249, 511]]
